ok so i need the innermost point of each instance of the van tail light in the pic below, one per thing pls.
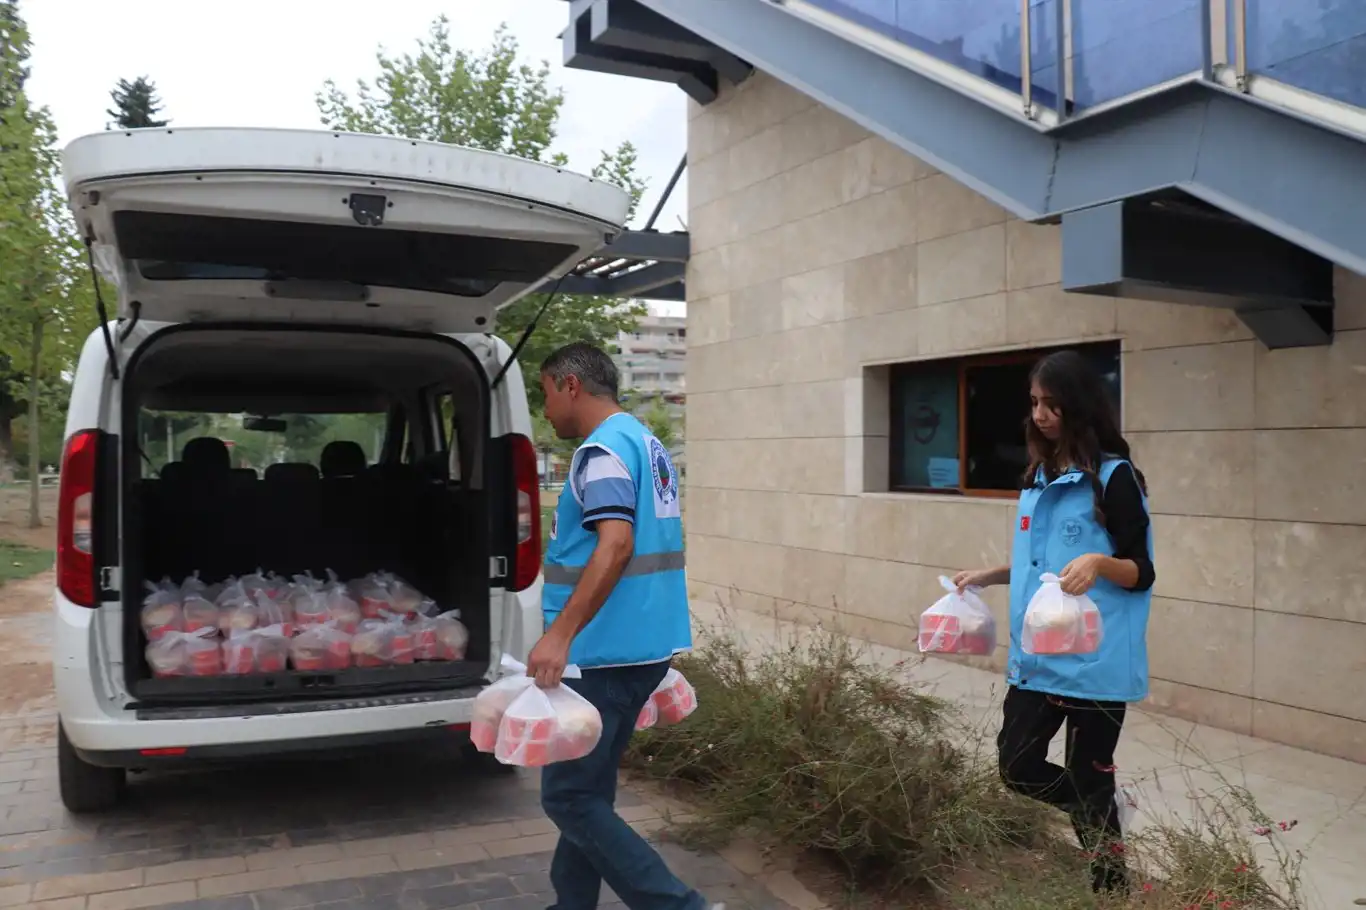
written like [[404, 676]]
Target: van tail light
[[528, 561], [75, 519]]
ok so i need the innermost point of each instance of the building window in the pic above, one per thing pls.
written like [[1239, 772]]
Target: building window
[[957, 426]]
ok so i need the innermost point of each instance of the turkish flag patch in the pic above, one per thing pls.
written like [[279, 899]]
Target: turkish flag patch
[[1024, 523]]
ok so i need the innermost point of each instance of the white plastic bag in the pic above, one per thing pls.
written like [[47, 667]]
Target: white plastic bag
[[186, 654], [264, 650], [161, 611], [958, 623], [382, 642], [341, 608], [1059, 623], [534, 726], [439, 637], [237, 612], [672, 700], [321, 647]]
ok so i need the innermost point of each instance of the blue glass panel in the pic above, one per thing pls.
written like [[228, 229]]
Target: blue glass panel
[[1317, 45], [1123, 46], [1043, 51], [982, 36]]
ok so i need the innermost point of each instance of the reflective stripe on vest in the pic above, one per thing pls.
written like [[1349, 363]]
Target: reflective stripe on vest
[[644, 564]]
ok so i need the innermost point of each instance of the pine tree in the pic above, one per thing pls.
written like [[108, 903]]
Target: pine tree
[[136, 105]]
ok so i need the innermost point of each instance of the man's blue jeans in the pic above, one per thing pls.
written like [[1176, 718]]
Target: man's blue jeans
[[595, 844]]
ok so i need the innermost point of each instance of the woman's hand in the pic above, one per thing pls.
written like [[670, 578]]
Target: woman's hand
[[981, 578], [1079, 575]]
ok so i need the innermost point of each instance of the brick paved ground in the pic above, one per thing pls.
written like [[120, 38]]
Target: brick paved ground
[[398, 828]]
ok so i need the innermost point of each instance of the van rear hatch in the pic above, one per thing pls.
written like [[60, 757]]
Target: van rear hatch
[[304, 226]]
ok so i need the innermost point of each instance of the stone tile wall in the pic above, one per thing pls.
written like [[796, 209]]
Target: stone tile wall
[[822, 253]]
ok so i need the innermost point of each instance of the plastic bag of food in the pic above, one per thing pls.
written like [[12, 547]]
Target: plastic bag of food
[[273, 611], [382, 642], [1060, 623], [405, 598], [674, 699], [493, 701], [439, 637], [307, 602], [195, 585], [374, 596], [185, 654], [199, 613], [264, 650], [321, 647], [958, 623], [544, 726], [648, 716], [341, 608], [161, 611], [237, 611]]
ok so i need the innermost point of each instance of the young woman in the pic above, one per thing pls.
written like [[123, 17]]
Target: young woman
[[1083, 516]]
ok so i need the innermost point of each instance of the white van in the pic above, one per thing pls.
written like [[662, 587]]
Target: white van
[[274, 281]]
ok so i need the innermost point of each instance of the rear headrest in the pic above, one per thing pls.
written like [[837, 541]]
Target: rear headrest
[[297, 473], [343, 458], [206, 454]]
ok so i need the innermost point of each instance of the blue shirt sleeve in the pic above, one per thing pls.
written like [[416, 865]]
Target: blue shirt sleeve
[[605, 487]]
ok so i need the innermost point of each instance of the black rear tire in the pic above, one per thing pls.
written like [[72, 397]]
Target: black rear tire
[[484, 762], [86, 788]]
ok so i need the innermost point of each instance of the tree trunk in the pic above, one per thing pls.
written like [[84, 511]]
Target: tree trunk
[[35, 516], [6, 449]]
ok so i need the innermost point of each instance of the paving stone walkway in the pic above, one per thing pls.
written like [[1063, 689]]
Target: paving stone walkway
[[397, 828]]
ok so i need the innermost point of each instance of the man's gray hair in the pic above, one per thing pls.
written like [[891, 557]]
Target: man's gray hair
[[594, 367]]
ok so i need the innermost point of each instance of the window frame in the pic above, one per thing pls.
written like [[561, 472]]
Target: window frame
[[960, 366]]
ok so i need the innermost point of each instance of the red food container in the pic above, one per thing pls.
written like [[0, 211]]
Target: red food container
[[370, 660], [1070, 640], [239, 657], [370, 607], [338, 655], [483, 735], [402, 647], [940, 633], [425, 645], [205, 660], [675, 702]]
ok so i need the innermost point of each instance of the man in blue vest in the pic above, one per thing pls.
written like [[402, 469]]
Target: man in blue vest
[[616, 605]]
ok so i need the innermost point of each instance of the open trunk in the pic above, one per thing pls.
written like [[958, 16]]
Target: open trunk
[[214, 498]]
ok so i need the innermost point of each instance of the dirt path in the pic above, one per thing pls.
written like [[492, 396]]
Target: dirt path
[[14, 517]]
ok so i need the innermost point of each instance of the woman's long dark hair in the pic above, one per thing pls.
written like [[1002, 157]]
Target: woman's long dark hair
[[1090, 425]]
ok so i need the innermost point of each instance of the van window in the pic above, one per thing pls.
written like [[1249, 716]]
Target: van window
[[257, 441]]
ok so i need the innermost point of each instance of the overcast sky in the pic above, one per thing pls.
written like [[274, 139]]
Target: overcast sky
[[260, 62]]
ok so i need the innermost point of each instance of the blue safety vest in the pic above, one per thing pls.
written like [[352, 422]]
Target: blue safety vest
[[645, 619], [1056, 524]]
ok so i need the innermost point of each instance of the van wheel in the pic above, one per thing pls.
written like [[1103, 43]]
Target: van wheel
[[85, 787], [484, 762]]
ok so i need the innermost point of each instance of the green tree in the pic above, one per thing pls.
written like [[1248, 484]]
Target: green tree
[[660, 422], [489, 100], [136, 105], [43, 279]]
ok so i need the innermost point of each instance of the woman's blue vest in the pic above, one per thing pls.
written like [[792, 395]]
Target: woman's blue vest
[[1056, 524], [645, 619]]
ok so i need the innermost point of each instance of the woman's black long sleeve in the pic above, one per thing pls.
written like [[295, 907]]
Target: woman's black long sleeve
[[1127, 521]]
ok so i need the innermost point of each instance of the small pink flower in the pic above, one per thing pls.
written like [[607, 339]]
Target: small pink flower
[[1240, 868], [1226, 905], [1147, 886], [1261, 830]]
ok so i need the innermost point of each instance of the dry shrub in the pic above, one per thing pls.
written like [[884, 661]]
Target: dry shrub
[[821, 750], [809, 746]]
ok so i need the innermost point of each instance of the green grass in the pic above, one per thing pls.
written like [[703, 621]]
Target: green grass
[[18, 561]]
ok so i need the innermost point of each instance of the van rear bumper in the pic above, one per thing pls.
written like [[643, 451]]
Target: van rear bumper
[[171, 756]]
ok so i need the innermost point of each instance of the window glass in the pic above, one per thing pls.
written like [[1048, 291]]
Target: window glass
[[925, 416], [989, 398], [256, 442]]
